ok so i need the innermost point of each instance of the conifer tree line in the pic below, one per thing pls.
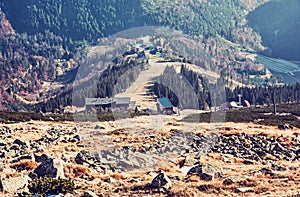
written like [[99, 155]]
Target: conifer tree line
[[171, 85], [187, 89], [288, 93], [113, 80]]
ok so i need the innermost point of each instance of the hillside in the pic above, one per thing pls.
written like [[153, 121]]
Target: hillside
[[90, 19], [229, 125], [114, 65], [75, 19], [122, 159], [278, 24], [43, 47]]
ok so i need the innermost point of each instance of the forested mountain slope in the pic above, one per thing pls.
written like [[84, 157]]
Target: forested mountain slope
[[279, 25], [91, 19], [76, 19], [43, 41]]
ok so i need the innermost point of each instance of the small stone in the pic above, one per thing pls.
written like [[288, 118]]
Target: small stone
[[248, 162], [2, 143], [267, 171], [190, 160], [228, 181], [196, 169], [278, 167], [206, 176], [1, 186], [134, 180], [244, 189], [99, 127], [110, 180], [89, 194], [210, 170], [233, 179], [77, 137], [261, 153], [147, 146], [278, 147], [14, 147], [19, 142], [206, 171]]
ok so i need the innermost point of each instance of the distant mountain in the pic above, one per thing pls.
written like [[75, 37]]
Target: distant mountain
[[278, 22]]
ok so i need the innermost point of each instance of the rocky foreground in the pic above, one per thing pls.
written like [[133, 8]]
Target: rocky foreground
[[177, 159]]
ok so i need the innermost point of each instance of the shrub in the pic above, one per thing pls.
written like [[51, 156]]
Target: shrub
[[50, 186]]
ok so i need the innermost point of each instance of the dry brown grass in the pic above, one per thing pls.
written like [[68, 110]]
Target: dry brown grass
[[193, 179], [296, 134], [12, 175], [168, 167], [287, 140], [116, 176], [76, 171], [24, 165], [133, 183]]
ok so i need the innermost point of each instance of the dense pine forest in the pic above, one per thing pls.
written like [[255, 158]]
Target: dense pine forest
[[171, 85], [282, 36], [90, 19]]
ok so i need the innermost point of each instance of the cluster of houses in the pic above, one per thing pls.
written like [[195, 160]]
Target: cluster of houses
[[142, 51], [163, 105], [119, 104]]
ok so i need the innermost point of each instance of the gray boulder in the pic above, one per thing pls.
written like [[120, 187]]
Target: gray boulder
[[1, 186], [51, 168], [14, 184], [19, 142], [161, 181], [233, 179], [40, 158], [84, 157], [278, 167], [206, 172]]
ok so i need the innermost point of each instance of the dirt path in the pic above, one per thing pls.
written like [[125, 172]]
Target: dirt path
[[138, 90]]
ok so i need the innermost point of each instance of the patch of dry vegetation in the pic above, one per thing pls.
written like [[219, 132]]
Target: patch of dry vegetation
[[76, 171], [24, 165]]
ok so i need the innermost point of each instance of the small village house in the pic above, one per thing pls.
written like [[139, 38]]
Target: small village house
[[164, 106], [109, 104]]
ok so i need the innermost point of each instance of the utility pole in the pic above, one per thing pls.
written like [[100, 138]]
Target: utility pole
[[240, 99], [274, 101]]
